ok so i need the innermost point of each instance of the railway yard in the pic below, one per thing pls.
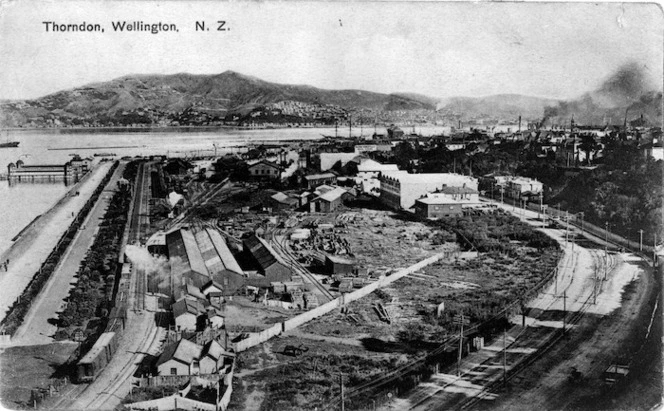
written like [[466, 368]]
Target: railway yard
[[537, 320]]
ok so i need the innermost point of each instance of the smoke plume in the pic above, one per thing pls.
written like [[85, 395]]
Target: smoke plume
[[628, 92]]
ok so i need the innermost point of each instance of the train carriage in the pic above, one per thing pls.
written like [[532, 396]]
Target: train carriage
[[97, 358]]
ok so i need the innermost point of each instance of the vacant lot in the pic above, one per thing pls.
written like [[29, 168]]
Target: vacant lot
[[479, 288], [269, 377], [27, 368]]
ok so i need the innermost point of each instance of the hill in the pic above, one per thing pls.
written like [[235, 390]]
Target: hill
[[195, 99]]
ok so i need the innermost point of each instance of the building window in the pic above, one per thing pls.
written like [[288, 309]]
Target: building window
[[451, 207], [174, 371], [436, 207]]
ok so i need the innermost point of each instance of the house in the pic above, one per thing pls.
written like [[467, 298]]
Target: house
[[338, 265], [330, 200], [190, 291], [283, 201], [264, 169], [519, 187], [212, 358], [401, 189], [214, 318], [180, 358], [463, 194], [210, 287], [654, 150], [213, 291], [186, 312], [437, 206], [270, 266], [314, 180]]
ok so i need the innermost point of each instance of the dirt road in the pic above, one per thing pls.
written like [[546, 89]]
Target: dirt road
[[580, 290], [36, 328]]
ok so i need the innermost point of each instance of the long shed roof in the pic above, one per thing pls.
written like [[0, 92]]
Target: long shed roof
[[262, 252]]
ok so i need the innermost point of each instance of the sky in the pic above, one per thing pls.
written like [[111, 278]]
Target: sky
[[557, 50]]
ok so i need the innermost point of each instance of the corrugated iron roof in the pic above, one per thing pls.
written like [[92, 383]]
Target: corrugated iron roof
[[186, 306], [262, 252], [183, 350]]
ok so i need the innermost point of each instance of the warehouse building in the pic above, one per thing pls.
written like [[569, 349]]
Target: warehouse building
[[271, 268], [199, 256]]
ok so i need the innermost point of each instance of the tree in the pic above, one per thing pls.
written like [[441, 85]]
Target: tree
[[589, 146]]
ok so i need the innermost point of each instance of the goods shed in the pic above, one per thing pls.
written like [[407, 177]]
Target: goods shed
[[338, 265]]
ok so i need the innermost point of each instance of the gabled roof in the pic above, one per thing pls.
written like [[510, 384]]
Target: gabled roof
[[210, 285], [212, 349], [184, 351], [338, 260], [284, 199], [212, 312], [262, 252], [186, 306], [191, 290], [223, 253], [267, 163], [333, 195]]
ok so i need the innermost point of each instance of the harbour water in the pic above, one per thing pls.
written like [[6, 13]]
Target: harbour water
[[21, 203]]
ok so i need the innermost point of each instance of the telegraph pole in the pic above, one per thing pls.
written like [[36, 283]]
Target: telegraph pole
[[460, 320], [564, 310], [341, 382], [595, 288], [606, 249], [654, 251], [460, 348], [640, 240], [566, 227], [505, 357]]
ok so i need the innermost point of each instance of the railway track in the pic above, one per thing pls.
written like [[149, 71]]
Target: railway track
[[202, 199], [517, 343], [550, 341], [290, 257], [140, 218]]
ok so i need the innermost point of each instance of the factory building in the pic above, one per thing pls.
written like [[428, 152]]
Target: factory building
[[401, 189], [199, 256]]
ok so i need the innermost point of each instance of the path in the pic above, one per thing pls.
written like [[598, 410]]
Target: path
[[36, 328], [33, 247]]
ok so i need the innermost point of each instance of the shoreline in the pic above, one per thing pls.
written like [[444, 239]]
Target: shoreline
[[59, 130]]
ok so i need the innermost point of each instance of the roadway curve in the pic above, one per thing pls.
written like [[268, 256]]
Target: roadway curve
[[580, 289]]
